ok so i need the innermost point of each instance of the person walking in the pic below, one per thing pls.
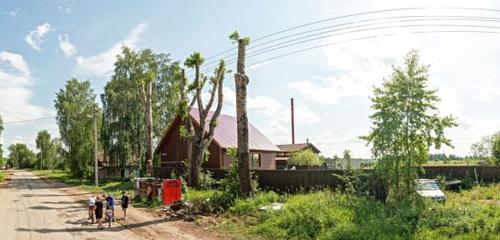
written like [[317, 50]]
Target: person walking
[[124, 201], [98, 212], [111, 205], [91, 204]]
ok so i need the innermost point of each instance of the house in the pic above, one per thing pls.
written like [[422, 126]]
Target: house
[[288, 149], [172, 149]]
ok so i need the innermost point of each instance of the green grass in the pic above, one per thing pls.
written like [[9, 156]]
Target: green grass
[[3, 175], [471, 214], [199, 195], [113, 187]]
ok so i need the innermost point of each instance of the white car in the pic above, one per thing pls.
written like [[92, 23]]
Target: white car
[[428, 188]]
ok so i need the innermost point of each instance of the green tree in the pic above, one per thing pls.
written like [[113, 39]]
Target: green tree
[[138, 103], [304, 157], [347, 159], [20, 156], [405, 125], [496, 150], [46, 149], [1, 151], [75, 105]]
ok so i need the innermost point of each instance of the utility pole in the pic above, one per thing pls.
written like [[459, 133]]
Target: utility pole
[[96, 170], [241, 82]]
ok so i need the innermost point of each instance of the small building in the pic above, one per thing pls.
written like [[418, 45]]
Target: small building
[[288, 149], [173, 149]]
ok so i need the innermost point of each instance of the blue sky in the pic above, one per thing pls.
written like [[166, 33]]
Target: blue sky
[[45, 43]]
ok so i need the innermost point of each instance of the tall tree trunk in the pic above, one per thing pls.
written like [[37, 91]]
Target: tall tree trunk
[[149, 129], [195, 163], [241, 81]]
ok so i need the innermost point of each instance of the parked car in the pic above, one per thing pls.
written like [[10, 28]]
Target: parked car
[[428, 188]]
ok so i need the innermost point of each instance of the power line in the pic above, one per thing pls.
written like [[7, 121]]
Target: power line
[[230, 61], [358, 14], [371, 37], [28, 120], [368, 22]]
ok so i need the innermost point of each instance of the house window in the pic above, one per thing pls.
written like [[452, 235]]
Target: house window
[[256, 160]]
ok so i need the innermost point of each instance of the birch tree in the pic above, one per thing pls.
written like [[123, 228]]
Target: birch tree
[[405, 124]]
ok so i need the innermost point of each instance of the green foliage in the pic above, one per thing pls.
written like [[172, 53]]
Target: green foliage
[[123, 127], [20, 156], [405, 125], [495, 150], [304, 157], [75, 106], [47, 153], [230, 184], [207, 180], [3, 176], [194, 59], [470, 214], [235, 37]]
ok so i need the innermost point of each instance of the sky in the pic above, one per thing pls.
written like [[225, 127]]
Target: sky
[[45, 43]]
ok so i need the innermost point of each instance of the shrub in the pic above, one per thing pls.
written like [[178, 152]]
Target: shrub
[[305, 157], [207, 181]]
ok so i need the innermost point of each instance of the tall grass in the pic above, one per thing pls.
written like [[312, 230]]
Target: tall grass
[[473, 214]]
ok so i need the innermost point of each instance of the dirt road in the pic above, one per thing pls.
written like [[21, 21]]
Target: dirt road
[[34, 208]]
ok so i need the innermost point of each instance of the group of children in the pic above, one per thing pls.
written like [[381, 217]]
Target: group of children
[[96, 206]]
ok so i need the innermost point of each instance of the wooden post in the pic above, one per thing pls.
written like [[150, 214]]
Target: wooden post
[[241, 82]]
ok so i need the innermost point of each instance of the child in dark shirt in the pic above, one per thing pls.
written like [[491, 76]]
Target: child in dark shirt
[[98, 212], [125, 201]]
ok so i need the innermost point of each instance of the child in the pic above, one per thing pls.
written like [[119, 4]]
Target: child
[[125, 201], [98, 212], [91, 203], [111, 205]]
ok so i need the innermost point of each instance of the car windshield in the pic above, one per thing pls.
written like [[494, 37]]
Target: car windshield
[[427, 186]]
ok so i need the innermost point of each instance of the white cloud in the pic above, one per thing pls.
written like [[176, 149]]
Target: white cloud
[[35, 37], [66, 46], [102, 64], [15, 82]]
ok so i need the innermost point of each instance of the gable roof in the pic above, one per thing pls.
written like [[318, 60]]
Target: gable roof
[[297, 147], [226, 134]]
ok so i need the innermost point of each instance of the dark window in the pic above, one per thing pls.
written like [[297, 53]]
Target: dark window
[[256, 160]]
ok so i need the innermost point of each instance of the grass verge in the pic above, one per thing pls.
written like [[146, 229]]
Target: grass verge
[[113, 187], [470, 214], [3, 175]]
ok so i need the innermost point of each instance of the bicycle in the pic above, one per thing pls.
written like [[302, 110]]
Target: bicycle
[[109, 214]]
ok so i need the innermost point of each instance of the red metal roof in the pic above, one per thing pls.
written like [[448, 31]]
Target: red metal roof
[[226, 133]]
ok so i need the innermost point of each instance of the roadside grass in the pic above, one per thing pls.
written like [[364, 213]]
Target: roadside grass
[[114, 188], [470, 214], [3, 175]]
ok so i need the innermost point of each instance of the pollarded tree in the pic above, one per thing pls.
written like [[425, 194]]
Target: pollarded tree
[[75, 106], [203, 135], [405, 125]]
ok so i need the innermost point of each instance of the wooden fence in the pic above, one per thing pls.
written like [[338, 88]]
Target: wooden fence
[[292, 180]]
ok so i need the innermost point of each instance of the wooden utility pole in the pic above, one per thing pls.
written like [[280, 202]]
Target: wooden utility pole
[[241, 82]]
